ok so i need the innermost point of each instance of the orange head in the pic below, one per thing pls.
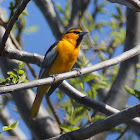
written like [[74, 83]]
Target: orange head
[[74, 36]]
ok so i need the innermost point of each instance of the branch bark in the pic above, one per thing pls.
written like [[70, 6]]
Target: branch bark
[[101, 125], [78, 9], [51, 16], [11, 24], [133, 4], [75, 73], [14, 53]]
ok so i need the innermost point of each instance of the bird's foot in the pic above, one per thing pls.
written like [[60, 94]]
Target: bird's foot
[[79, 72]]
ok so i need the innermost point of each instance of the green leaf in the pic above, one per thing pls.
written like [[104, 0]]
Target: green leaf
[[89, 77], [20, 65], [129, 90], [12, 74], [31, 29], [60, 94], [119, 130], [5, 128], [138, 66], [5, 82], [119, 11], [24, 12], [25, 80], [135, 93], [67, 10], [20, 72], [59, 8], [98, 117], [11, 126], [68, 128], [74, 128], [92, 93], [65, 127], [79, 114], [14, 80], [81, 84], [65, 104], [113, 24], [22, 78]]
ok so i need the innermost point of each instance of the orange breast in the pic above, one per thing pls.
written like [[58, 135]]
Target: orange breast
[[66, 58]]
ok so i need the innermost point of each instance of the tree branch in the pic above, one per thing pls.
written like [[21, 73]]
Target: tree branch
[[11, 24], [23, 56], [78, 9], [51, 16], [83, 99], [133, 4], [126, 55], [101, 125], [89, 102]]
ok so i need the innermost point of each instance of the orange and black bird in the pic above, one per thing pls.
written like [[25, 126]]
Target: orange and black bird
[[59, 58]]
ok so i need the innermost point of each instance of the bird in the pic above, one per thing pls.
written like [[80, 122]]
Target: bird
[[59, 58]]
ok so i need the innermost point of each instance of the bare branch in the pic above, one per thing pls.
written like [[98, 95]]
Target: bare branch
[[122, 134], [23, 56], [11, 24], [85, 100], [78, 9], [32, 71], [102, 125], [51, 16], [133, 4], [126, 55], [53, 110]]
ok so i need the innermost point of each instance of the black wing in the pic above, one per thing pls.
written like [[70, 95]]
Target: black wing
[[48, 60]]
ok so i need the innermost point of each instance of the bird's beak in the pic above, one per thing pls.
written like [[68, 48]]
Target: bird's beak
[[82, 34]]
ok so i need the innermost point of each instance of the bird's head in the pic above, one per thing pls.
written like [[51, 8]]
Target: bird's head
[[74, 36]]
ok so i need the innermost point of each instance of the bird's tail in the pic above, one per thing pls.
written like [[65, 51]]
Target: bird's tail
[[41, 90]]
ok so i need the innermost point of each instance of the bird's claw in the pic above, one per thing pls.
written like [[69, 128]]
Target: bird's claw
[[79, 72], [54, 76]]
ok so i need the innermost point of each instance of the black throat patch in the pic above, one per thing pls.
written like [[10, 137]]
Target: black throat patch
[[79, 41]]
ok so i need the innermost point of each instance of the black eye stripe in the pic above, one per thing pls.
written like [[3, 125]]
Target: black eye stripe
[[75, 32]]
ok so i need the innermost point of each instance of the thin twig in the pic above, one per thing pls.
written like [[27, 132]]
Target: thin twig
[[11, 24], [53, 110], [133, 4], [120, 136], [15, 42], [18, 46], [32, 71], [52, 17]]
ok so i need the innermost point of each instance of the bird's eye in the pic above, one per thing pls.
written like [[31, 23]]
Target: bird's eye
[[76, 32]]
